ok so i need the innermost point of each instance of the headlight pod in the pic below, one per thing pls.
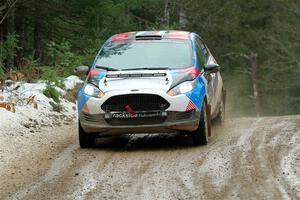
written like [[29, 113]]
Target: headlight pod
[[182, 88], [93, 91]]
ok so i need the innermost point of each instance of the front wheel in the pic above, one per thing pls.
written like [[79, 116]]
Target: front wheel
[[200, 136], [85, 140]]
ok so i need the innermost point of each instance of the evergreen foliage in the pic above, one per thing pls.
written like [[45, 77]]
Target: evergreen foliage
[[257, 42]]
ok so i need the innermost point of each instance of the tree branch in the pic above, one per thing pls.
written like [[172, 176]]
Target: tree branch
[[10, 6]]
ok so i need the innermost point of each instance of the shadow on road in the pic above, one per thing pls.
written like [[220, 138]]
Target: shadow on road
[[136, 142], [144, 142]]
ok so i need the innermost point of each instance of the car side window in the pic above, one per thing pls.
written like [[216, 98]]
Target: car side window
[[206, 51], [201, 53]]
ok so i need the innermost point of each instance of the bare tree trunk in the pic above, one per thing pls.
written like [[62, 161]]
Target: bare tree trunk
[[254, 77], [11, 30], [20, 29], [37, 35], [166, 19], [254, 68], [2, 32], [182, 18]]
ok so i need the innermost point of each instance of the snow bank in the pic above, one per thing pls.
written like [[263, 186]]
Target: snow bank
[[29, 119], [71, 82]]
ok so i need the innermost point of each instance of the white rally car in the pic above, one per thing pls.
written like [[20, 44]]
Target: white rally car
[[151, 82]]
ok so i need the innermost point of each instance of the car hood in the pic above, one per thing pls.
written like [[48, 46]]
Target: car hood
[[142, 79], [136, 80]]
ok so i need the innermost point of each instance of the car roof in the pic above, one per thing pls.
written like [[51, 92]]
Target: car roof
[[152, 35]]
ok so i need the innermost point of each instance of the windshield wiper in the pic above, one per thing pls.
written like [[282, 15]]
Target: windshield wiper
[[147, 68], [107, 68]]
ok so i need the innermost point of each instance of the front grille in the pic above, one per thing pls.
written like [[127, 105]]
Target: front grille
[[138, 102]]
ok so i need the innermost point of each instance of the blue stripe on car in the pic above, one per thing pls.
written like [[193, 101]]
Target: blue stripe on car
[[198, 93], [82, 99]]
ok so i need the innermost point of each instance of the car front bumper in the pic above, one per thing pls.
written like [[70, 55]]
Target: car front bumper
[[183, 114], [173, 121]]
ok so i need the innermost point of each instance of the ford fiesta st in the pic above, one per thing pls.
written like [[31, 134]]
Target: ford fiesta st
[[151, 82]]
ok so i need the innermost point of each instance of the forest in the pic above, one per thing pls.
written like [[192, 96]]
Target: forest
[[257, 42]]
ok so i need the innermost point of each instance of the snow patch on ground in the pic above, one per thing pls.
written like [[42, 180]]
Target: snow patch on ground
[[71, 82], [27, 118]]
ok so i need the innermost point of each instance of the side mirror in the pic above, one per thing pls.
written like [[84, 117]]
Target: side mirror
[[82, 71], [211, 68]]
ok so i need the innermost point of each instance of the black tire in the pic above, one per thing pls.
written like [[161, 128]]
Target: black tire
[[200, 136], [85, 140], [220, 119]]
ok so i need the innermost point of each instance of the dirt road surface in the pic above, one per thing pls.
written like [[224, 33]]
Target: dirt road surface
[[247, 158]]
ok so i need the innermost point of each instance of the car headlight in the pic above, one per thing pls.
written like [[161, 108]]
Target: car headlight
[[93, 91], [182, 88]]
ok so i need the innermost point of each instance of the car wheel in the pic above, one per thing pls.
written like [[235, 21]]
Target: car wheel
[[85, 140], [221, 115], [200, 136]]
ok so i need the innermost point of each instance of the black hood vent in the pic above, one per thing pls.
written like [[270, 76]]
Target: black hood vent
[[148, 37]]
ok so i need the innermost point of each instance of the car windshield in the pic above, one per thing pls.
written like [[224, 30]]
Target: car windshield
[[151, 54]]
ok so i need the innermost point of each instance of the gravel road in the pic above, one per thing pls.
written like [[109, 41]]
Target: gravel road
[[246, 158]]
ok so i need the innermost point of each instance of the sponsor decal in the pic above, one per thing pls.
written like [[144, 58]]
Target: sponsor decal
[[122, 36], [191, 106], [137, 115]]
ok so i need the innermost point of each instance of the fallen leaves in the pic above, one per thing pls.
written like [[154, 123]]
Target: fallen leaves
[[8, 106], [14, 75], [11, 106], [31, 101]]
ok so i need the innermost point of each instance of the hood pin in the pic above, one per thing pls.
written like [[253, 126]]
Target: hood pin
[[167, 81]]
